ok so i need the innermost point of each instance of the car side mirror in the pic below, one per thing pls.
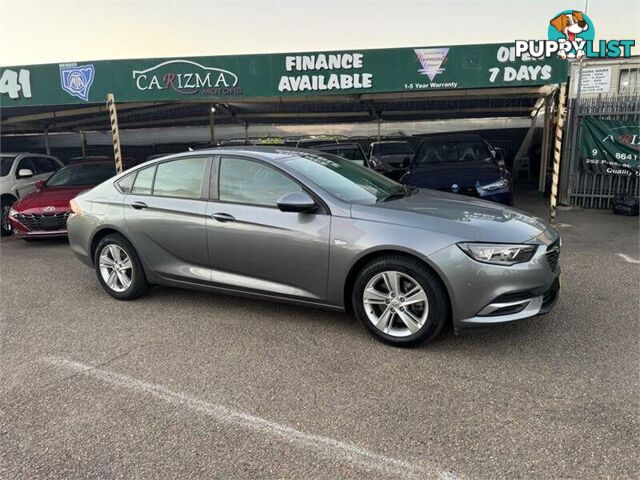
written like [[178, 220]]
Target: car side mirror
[[25, 173], [40, 184], [299, 202]]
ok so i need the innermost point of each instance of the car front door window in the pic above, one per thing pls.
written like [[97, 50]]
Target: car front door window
[[249, 182]]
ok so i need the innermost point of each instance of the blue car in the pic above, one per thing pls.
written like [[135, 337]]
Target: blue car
[[461, 163]]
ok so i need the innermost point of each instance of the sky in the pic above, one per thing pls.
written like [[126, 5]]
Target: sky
[[53, 31]]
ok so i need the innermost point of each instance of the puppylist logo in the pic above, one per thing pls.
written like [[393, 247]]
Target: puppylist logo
[[572, 36]]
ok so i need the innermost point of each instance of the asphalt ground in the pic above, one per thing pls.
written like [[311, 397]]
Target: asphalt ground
[[184, 384]]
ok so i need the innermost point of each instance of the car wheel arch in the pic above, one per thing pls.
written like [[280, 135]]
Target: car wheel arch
[[367, 257], [100, 234], [8, 197]]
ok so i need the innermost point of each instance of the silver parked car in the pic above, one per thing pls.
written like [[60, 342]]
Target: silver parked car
[[315, 229]]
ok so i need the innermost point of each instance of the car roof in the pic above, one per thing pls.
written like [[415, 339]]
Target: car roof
[[15, 154], [336, 145], [390, 141], [91, 162], [265, 152], [452, 136]]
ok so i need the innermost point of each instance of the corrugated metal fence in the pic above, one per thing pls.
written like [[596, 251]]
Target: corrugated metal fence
[[596, 190]]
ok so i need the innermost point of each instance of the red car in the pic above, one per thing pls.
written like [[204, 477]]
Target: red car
[[44, 212]]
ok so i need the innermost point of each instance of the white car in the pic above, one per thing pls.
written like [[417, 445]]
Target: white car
[[19, 173]]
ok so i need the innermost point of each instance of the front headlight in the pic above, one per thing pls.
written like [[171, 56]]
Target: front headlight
[[12, 212], [498, 185], [499, 254]]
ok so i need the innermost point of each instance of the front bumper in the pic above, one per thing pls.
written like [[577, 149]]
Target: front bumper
[[22, 231], [40, 225], [483, 294], [527, 305]]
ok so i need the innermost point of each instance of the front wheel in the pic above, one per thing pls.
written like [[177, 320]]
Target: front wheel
[[119, 268], [6, 224], [400, 301]]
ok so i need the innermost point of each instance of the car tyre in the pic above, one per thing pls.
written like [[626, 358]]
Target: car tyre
[[5, 206], [420, 309], [119, 269]]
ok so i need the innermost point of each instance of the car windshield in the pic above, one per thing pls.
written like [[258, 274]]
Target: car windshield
[[394, 148], [5, 164], [350, 152], [345, 179], [445, 151], [81, 174]]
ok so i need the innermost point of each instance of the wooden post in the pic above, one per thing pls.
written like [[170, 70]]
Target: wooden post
[[115, 132], [557, 151]]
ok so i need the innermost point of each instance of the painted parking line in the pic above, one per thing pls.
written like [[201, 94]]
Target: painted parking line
[[326, 446], [628, 259]]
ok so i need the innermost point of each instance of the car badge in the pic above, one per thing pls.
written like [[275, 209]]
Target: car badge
[[48, 209], [455, 187]]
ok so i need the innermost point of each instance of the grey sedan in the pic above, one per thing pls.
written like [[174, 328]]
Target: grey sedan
[[315, 229]]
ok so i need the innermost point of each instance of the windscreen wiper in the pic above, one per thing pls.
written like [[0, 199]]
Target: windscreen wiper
[[395, 195]]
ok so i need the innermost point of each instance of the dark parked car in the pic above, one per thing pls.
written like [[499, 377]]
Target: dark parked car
[[350, 151], [461, 163], [44, 212], [315, 229], [391, 157]]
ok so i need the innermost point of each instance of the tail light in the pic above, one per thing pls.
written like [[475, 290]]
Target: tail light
[[75, 207]]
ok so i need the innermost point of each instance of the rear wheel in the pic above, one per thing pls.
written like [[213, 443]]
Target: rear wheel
[[400, 301], [119, 268], [5, 206]]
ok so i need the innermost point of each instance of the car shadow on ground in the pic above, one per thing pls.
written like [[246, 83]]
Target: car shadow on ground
[[493, 338]]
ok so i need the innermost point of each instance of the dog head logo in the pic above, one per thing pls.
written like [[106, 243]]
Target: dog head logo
[[571, 26]]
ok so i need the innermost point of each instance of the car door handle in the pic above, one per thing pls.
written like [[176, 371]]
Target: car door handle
[[139, 205], [223, 217]]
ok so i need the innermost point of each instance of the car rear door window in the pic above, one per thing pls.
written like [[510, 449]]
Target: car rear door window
[[144, 181], [44, 165], [250, 182], [180, 178]]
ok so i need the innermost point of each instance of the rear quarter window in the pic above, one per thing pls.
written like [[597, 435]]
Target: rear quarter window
[[126, 183]]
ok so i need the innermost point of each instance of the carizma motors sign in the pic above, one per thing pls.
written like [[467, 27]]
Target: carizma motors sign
[[187, 77]]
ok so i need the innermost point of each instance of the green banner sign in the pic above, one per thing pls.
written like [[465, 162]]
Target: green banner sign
[[610, 146], [276, 75]]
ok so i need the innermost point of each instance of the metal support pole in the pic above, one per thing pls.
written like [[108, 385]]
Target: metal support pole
[[212, 128], [115, 132], [557, 151], [47, 145], [545, 150], [246, 133], [83, 142]]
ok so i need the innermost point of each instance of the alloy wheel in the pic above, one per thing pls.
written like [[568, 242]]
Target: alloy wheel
[[115, 267], [395, 303]]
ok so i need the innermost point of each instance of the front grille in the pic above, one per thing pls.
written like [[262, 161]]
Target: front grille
[[553, 255], [514, 297], [470, 191], [44, 222]]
